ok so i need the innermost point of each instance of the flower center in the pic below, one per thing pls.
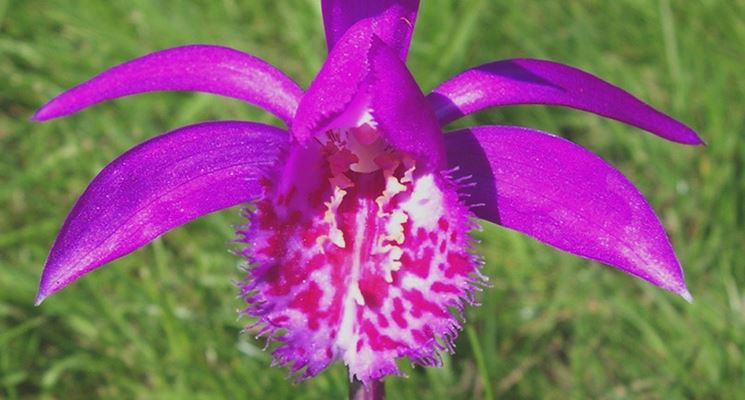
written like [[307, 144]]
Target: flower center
[[359, 255]]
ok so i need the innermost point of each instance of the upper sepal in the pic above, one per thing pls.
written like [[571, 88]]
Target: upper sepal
[[156, 186], [556, 191], [393, 20]]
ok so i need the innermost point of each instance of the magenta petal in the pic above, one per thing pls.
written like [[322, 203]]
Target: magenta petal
[[156, 186], [363, 74], [526, 81], [201, 68], [558, 192], [393, 20]]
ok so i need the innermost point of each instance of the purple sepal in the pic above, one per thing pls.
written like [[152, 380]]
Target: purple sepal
[[393, 20], [156, 186], [559, 193], [201, 68], [528, 81]]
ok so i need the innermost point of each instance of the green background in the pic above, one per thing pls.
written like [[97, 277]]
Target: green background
[[162, 323]]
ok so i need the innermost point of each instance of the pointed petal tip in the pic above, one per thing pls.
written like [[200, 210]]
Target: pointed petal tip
[[48, 111], [46, 288], [692, 138], [40, 297], [40, 115], [699, 141], [686, 295]]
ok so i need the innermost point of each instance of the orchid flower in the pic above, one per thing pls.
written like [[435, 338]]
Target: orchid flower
[[357, 241]]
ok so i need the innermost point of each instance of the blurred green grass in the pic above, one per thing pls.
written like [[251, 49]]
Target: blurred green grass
[[161, 323]]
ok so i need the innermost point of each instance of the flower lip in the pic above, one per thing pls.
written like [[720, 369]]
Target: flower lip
[[363, 260]]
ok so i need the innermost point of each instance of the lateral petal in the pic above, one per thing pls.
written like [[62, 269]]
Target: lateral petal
[[561, 194], [156, 186], [201, 68], [529, 81]]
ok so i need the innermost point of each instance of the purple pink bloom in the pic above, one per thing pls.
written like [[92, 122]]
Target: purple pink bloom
[[357, 241]]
